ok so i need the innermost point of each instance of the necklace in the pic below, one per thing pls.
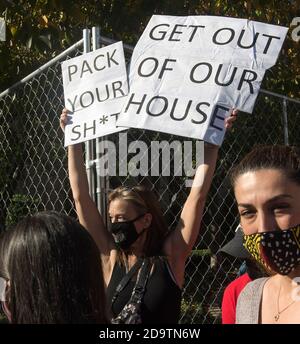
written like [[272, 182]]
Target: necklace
[[277, 316]]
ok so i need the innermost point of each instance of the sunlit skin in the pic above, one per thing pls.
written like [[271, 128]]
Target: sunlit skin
[[267, 200], [177, 246]]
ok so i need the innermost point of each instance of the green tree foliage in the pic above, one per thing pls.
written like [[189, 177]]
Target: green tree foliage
[[39, 29], [20, 206]]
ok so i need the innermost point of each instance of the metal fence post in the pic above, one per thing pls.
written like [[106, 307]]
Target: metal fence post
[[88, 144], [102, 182], [285, 123], [33, 168]]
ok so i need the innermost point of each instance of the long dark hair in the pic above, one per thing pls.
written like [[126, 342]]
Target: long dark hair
[[283, 158], [54, 270]]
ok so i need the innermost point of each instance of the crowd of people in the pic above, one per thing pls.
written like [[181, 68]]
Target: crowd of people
[[54, 269]]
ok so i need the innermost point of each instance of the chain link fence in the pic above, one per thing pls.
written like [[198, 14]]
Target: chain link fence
[[33, 173]]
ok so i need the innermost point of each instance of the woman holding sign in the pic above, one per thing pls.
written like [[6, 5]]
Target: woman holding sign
[[138, 230], [267, 189]]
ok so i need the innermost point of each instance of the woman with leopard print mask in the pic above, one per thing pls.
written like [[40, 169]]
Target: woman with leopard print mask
[[267, 189]]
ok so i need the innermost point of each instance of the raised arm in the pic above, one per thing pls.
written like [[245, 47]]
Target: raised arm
[[187, 231], [180, 242], [87, 211]]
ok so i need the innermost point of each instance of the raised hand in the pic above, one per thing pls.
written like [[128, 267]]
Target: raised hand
[[63, 119], [230, 120]]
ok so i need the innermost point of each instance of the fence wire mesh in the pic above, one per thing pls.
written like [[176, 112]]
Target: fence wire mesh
[[33, 174]]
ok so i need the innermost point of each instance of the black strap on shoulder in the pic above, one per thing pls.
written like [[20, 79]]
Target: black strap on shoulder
[[126, 279], [139, 289]]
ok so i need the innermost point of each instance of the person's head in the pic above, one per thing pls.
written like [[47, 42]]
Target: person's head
[[267, 189], [53, 271], [137, 220], [235, 247]]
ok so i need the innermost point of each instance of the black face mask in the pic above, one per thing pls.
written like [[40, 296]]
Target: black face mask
[[125, 233]]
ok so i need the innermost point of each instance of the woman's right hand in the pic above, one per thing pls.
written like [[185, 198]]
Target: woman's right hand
[[231, 119], [63, 120]]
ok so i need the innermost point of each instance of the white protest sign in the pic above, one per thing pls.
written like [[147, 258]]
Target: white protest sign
[[95, 86], [2, 29], [187, 73]]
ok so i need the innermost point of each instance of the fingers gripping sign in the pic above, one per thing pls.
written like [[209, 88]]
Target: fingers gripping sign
[[65, 118]]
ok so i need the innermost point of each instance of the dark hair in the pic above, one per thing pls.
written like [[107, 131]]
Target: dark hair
[[284, 158], [55, 271], [144, 201], [254, 269]]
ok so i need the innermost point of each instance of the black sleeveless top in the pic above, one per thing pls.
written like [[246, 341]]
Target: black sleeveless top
[[162, 297]]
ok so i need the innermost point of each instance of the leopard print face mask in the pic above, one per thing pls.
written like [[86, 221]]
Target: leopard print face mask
[[278, 251]]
